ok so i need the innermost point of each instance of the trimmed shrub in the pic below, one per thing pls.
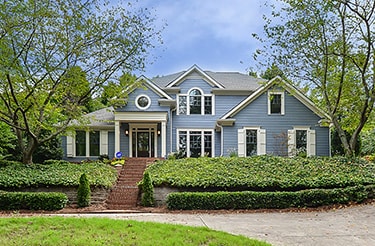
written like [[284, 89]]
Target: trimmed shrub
[[83, 192], [32, 200], [148, 191], [257, 200]]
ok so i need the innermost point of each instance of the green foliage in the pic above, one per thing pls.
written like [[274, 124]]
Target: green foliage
[[83, 192], [336, 145], [368, 143], [328, 46], [50, 150], [263, 173], [257, 200], [7, 140], [32, 200], [41, 86], [56, 173], [148, 190]]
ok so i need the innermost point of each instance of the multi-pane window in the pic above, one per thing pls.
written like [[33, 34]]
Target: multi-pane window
[[208, 105], [301, 140], [195, 143], [182, 105], [80, 143], [94, 143], [251, 142], [276, 104], [195, 103], [84, 148]]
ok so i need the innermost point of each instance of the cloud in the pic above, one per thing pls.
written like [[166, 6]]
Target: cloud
[[188, 21]]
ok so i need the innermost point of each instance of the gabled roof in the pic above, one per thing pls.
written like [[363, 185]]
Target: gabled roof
[[287, 86], [229, 81], [191, 70], [153, 87]]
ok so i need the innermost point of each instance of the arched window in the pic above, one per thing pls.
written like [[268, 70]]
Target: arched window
[[195, 102]]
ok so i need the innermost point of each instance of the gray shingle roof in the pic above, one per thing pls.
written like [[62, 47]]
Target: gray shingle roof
[[101, 117], [230, 80]]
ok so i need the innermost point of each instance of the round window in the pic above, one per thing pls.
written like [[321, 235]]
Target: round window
[[143, 102]]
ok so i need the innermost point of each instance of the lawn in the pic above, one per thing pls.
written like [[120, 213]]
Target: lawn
[[95, 231]]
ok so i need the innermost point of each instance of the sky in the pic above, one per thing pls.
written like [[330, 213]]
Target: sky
[[216, 35]]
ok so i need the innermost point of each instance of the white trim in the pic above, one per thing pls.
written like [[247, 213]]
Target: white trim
[[154, 87], [195, 68], [141, 116], [203, 96], [270, 94], [117, 137], [103, 147], [188, 140], [149, 127], [261, 140], [148, 102], [310, 140]]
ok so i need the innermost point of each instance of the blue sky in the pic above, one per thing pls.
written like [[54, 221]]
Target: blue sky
[[214, 34]]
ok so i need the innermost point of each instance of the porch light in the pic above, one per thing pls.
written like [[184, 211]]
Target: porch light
[[158, 132], [126, 132]]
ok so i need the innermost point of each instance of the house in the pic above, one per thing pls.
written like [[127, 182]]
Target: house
[[204, 113]]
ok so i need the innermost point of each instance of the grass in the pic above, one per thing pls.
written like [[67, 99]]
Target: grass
[[102, 231]]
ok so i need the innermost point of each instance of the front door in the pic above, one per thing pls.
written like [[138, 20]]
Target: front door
[[143, 142]]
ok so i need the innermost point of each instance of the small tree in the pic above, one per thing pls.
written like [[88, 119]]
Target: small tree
[[148, 191], [84, 192]]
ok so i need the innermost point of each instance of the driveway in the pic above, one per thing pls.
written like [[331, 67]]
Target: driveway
[[344, 227]]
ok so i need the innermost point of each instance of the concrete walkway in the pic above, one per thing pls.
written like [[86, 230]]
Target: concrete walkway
[[343, 227]]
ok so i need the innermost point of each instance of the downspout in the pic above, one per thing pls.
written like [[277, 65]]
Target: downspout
[[221, 139]]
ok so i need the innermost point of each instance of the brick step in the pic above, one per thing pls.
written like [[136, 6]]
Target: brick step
[[124, 195]]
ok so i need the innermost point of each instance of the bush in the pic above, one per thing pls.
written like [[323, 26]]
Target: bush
[[148, 191], [83, 192], [257, 200], [55, 173], [32, 200], [263, 173]]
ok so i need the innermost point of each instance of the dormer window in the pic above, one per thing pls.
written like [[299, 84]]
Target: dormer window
[[195, 102]]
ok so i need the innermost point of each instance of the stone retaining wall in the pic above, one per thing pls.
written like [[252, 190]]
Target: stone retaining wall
[[98, 195]]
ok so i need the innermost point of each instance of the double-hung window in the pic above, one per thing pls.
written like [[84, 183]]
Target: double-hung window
[[276, 103], [301, 142], [195, 102], [87, 143]]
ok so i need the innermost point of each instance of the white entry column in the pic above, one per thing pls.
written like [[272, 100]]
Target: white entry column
[[117, 136], [163, 139]]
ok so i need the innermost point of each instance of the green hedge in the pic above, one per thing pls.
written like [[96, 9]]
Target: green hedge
[[263, 173], [32, 200], [258, 200], [55, 173]]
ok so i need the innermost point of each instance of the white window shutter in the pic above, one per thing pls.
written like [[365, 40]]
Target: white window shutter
[[311, 142], [69, 146], [103, 143], [261, 145], [241, 142], [291, 142]]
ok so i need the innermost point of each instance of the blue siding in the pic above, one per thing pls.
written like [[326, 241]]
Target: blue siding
[[296, 114], [131, 106]]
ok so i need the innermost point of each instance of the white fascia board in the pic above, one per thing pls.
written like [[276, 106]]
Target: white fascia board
[[208, 78], [154, 87]]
